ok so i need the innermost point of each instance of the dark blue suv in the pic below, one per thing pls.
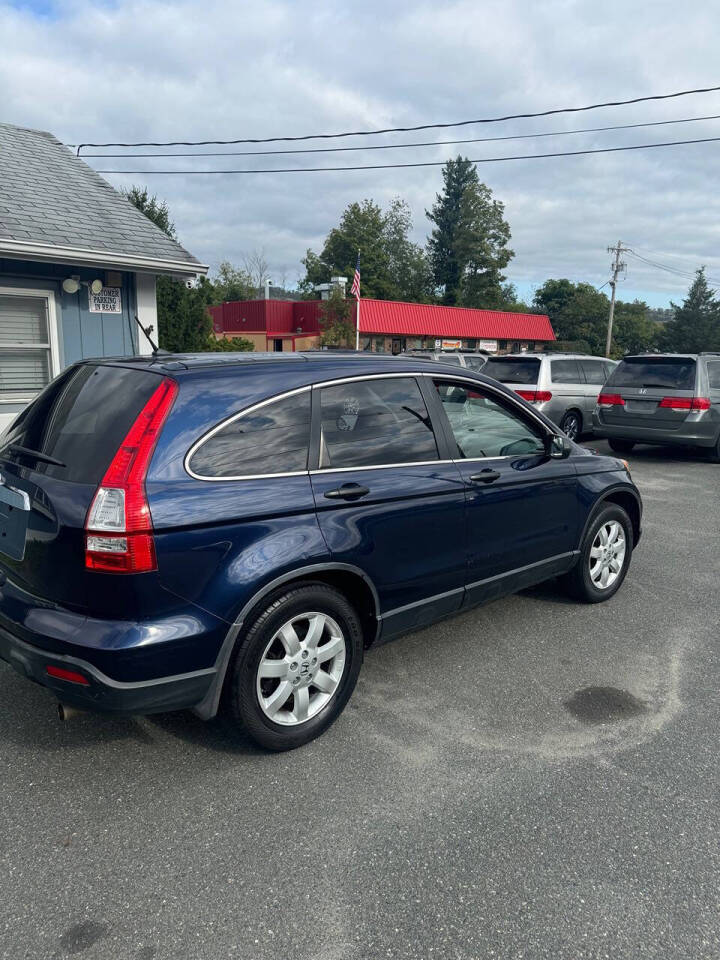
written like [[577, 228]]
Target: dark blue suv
[[236, 530]]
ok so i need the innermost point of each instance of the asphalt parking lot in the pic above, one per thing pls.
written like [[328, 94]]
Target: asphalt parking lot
[[534, 779]]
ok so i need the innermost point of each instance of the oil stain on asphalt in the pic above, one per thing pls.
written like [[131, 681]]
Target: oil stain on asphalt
[[604, 705]]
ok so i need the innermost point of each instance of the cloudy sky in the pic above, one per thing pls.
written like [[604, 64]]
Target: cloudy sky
[[138, 70]]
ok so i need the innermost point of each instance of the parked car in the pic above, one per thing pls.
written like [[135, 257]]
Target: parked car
[[664, 398], [235, 530], [564, 386], [474, 359]]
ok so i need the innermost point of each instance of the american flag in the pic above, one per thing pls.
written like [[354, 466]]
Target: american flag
[[355, 288]]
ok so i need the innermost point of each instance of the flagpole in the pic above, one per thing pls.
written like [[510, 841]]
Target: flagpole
[[357, 323]]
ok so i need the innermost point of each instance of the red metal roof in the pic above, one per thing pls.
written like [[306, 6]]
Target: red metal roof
[[383, 316], [418, 319]]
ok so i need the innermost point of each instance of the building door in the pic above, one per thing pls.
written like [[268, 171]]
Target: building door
[[277, 345], [28, 348]]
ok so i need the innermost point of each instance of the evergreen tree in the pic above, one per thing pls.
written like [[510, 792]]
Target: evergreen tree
[[468, 244], [696, 324]]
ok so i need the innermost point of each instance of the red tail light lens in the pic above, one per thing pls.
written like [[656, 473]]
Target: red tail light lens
[[118, 527], [610, 400], [685, 403], [535, 396]]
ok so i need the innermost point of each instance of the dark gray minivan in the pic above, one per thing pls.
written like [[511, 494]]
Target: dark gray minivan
[[666, 398]]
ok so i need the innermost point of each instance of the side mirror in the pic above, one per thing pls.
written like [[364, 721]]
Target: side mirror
[[559, 447]]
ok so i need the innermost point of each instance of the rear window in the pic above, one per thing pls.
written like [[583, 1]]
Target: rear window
[[515, 370], [80, 419], [662, 373]]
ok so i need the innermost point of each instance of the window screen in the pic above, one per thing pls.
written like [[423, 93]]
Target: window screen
[[513, 369], [662, 373], [375, 422], [565, 371], [24, 345], [271, 439], [713, 369]]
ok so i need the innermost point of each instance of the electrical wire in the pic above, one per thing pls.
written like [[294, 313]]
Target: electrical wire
[[432, 163], [404, 146], [686, 275], [423, 126]]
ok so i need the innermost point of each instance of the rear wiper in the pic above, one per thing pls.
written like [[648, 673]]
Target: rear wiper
[[35, 454]]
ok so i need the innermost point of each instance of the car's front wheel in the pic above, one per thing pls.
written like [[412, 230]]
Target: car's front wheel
[[604, 556], [296, 666]]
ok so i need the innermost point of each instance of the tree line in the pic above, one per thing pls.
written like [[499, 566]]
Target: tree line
[[462, 264]]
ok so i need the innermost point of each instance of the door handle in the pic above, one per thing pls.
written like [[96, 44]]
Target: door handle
[[348, 491], [485, 476]]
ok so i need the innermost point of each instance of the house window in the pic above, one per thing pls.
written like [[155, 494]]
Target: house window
[[28, 347]]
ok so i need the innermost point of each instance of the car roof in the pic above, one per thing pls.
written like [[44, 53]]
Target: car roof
[[661, 356], [551, 355]]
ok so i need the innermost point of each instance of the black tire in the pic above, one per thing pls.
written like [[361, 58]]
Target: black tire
[[571, 425], [243, 701], [578, 582], [621, 446]]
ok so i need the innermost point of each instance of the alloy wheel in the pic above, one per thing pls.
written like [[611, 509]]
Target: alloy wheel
[[571, 426], [607, 554], [301, 668]]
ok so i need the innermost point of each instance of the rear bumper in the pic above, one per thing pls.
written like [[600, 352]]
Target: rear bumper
[[102, 693], [697, 434]]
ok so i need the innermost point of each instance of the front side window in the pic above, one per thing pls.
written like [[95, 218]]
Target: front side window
[[373, 423], [25, 354], [594, 371], [485, 427], [565, 371], [269, 439]]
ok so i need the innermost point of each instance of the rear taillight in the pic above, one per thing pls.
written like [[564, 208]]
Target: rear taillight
[[685, 403], [535, 396], [118, 529], [610, 400]]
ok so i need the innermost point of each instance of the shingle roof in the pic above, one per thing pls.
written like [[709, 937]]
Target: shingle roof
[[420, 319], [50, 197]]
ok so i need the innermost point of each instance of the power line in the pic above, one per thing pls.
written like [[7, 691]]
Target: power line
[[403, 146], [432, 163], [686, 275], [423, 126]]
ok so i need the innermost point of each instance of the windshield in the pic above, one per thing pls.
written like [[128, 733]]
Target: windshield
[[513, 369], [662, 373]]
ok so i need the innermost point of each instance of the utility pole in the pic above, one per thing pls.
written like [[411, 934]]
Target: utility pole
[[616, 266]]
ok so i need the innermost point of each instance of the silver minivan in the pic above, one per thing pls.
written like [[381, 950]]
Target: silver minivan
[[565, 386]]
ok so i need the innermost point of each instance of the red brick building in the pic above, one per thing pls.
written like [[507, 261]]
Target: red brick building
[[386, 326]]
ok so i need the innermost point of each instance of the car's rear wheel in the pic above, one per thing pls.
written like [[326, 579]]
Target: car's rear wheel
[[604, 556], [571, 425], [296, 666], [621, 446], [713, 453]]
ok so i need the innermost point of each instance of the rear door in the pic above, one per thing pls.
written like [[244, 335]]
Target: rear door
[[568, 386], [387, 499], [595, 373], [655, 393]]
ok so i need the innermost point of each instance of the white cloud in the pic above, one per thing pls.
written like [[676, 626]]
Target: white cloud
[[145, 70]]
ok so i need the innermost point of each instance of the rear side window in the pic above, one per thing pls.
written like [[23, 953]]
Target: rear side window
[[565, 371], [475, 363], [713, 369], [80, 419], [269, 439], [374, 423], [513, 370], [662, 373], [594, 371]]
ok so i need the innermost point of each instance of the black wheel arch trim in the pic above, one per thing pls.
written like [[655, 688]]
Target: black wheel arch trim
[[605, 498], [209, 705]]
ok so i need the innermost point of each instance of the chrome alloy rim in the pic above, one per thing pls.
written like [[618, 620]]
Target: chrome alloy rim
[[607, 555], [301, 668], [572, 427]]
